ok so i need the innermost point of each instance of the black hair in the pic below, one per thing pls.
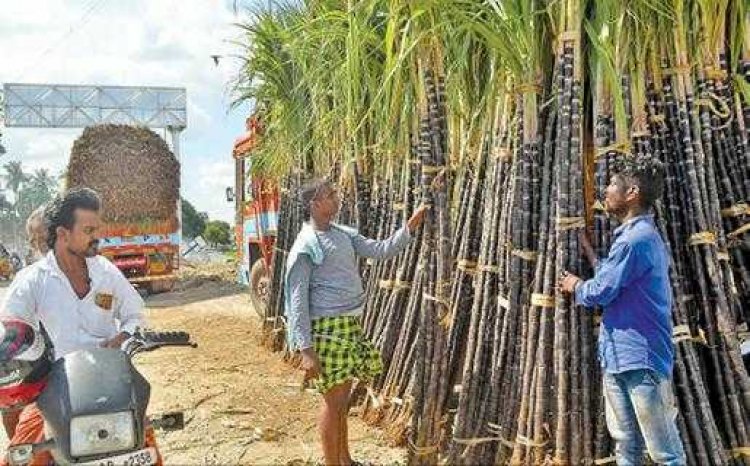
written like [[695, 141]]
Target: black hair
[[647, 173], [309, 191], [60, 212]]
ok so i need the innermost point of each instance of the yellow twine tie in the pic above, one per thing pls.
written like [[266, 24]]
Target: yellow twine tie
[[543, 300], [682, 333], [423, 451], [503, 301], [525, 254], [680, 69], [622, 147], [743, 229], [489, 268], [435, 299], [432, 169], [740, 452], [386, 284], [528, 88], [607, 460], [704, 237], [502, 154], [570, 223], [714, 73], [527, 442], [736, 210]]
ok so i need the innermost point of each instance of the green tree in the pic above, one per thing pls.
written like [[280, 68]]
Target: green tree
[[14, 180], [193, 222], [5, 205], [40, 187], [23, 193], [15, 177], [218, 233]]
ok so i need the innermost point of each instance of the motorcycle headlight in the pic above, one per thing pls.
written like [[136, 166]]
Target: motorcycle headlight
[[101, 433]]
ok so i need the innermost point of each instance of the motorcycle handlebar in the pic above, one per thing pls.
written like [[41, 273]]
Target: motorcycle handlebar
[[166, 337], [142, 341]]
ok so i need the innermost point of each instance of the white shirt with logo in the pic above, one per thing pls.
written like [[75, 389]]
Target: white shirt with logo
[[42, 293]]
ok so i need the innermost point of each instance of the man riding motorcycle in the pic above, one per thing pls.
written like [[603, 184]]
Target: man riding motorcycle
[[81, 299]]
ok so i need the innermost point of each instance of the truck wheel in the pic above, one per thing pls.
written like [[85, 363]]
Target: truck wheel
[[160, 286], [260, 287]]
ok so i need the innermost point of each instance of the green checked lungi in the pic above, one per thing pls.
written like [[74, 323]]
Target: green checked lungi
[[343, 352]]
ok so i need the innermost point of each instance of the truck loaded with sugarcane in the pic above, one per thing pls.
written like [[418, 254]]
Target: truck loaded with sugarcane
[[138, 178]]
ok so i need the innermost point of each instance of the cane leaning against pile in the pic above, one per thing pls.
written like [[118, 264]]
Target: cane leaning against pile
[[635, 340], [324, 302]]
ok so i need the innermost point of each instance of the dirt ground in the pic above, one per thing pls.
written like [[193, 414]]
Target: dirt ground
[[242, 403]]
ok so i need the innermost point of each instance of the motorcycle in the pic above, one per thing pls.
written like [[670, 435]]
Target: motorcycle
[[94, 406]]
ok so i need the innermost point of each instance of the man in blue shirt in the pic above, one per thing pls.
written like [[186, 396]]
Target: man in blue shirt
[[635, 339]]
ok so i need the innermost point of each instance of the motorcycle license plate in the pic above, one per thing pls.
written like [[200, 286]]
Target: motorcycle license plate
[[145, 457]]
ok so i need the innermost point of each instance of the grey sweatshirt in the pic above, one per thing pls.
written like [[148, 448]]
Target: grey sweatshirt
[[334, 288]]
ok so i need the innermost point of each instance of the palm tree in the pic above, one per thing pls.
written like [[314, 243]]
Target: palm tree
[[5, 205], [40, 188], [15, 177], [43, 178], [28, 191]]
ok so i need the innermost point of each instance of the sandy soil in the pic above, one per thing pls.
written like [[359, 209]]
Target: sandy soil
[[242, 403]]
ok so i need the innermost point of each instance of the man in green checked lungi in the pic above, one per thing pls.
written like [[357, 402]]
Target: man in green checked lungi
[[324, 301]]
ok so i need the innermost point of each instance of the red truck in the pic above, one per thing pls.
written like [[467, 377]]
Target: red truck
[[256, 217], [149, 256], [140, 230]]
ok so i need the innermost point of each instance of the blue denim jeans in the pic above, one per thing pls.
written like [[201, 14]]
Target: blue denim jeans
[[641, 414]]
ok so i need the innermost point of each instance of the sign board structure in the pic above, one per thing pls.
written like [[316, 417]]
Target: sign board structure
[[77, 106]]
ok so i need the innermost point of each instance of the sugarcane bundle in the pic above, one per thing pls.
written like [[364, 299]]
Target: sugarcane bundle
[[470, 416], [555, 420], [380, 276], [394, 327], [431, 369], [393, 285], [467, 239], [487, 417], [132, 169]]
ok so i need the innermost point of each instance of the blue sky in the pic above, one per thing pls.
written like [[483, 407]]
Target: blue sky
[[132, 43]]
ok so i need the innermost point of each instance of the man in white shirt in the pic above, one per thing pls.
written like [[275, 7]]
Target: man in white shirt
[[82, 299]]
